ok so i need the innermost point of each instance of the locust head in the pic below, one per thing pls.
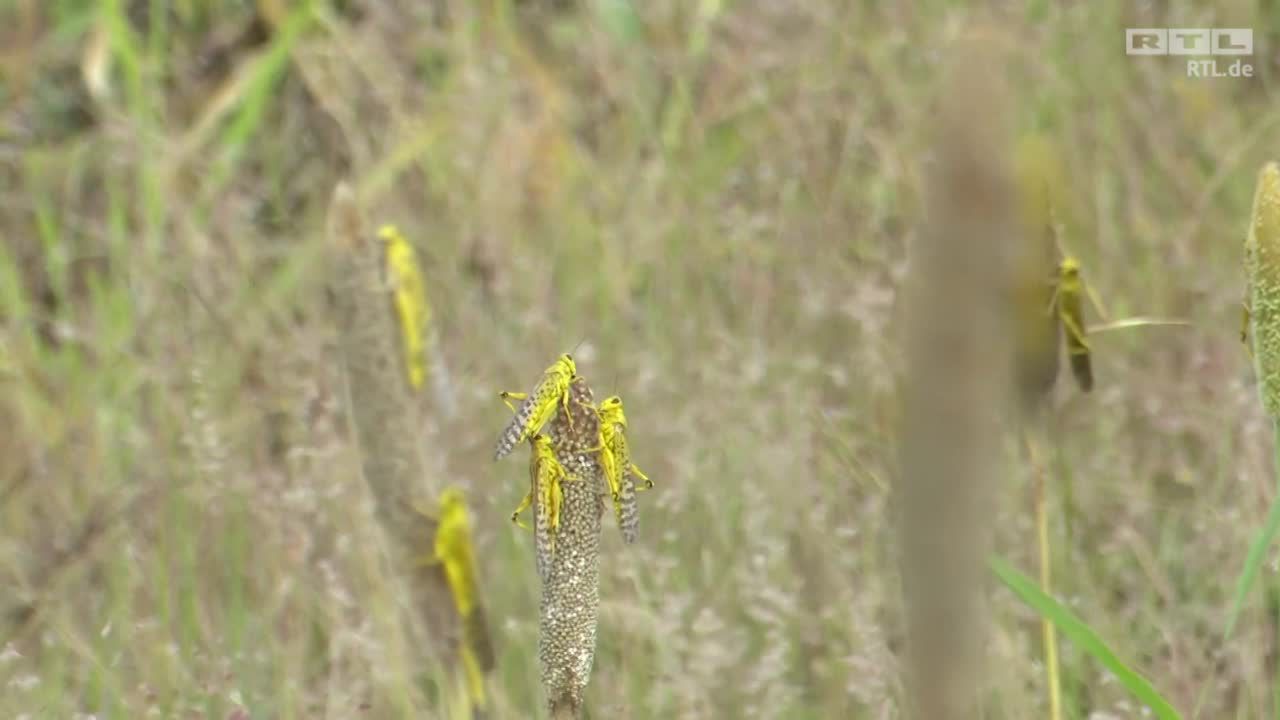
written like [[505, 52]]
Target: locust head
[[566, 365], [451, 499], [1069, 268], [541, 446], [388, 233], [611, 410]]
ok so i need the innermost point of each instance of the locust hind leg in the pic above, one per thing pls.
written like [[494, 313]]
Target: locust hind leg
[[1078, 353], [543, 532], [524, 505], [648, 484], [564, 406], [508, 396], [612, 472]]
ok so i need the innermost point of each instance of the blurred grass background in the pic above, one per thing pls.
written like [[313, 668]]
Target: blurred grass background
[[713, 202]]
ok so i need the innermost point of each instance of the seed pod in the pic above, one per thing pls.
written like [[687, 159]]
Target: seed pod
[[1262, 266], [571, 591], [1035, 266], [383, 414]]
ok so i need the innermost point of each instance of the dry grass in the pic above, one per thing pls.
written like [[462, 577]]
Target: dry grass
[[717, 207], [959, 383]]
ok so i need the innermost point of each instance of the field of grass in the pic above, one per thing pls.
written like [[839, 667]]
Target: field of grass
[[711, 204]]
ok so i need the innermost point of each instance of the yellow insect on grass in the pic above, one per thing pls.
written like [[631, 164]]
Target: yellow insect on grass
[[537, 407], [1069, 301], [621, 473], [454, 552], [410, 298], [546, 495]]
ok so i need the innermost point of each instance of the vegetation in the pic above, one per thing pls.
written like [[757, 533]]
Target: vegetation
[[713, 207]]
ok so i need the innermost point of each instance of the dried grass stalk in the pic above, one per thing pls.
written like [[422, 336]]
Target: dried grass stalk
[[384, 418], [1035, 266], [1262, 265], [958, 386], [571, 591]]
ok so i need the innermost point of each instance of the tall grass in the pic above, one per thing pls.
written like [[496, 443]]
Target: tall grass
[[957, 383], [717, 201]]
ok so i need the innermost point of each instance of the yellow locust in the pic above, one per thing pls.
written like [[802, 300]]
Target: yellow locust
[[410, 297], [538, 406], [546, 495], [1067, 307], [455, 554], [1069, 304], [619, 471]]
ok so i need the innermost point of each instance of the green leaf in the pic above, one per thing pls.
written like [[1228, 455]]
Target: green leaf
[[1258, 548], [620, 19], [1075, 630]]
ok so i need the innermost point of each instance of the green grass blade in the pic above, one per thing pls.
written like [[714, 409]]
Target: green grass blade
[[1075, 630], [256, 94], [1258, 548], [619, 17]]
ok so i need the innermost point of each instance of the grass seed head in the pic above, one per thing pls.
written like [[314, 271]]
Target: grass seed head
[[1262, 264], [571, 590], [1036, 327]]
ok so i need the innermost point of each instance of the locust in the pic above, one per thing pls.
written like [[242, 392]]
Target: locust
[[537, 407], [454, 553], [619, 471], [1069, 305], [410, 299], [546, 495]]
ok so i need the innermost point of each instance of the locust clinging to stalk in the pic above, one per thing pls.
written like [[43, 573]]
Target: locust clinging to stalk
[[545, 494], [537, 407]]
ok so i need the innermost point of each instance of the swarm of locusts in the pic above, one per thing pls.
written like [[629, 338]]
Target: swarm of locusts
[[546, 474], [578, 452]]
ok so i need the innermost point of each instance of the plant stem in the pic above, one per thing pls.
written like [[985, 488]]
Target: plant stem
[[1046, 625]]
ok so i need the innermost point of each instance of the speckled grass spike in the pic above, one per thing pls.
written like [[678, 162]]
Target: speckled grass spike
[[958, 378], [383, 416], [571, 593], [1262, 265], [538, 406], [1037, 333]]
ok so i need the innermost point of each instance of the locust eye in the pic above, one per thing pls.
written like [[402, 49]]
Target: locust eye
[[568, 357]]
